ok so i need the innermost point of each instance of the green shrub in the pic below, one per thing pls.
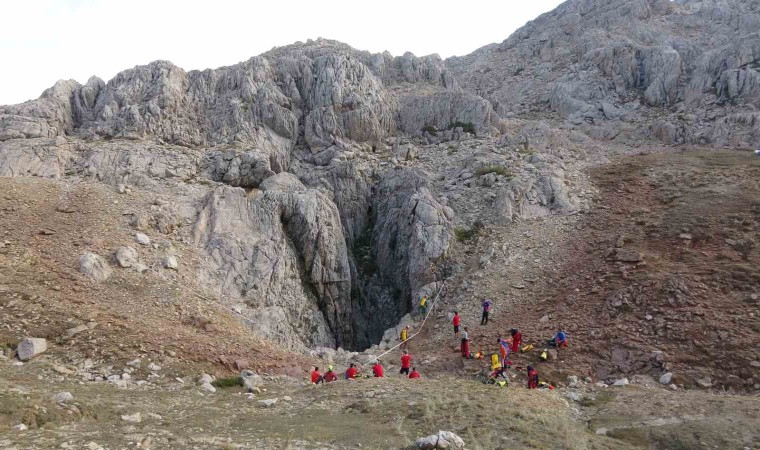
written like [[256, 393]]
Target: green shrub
[[227, 382], [466, 126], [430, 129], [362, 250], [499, 170]]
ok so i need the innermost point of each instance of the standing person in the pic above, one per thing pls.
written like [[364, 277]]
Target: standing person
[[516, 340], [414, 374], [406, 363], [423, 306], [404, 336], [351, 372], [330, 376], [316, 377], [465, 344], [504, 350], [532, 378], [377, 370], [456, 321], [486, 310]]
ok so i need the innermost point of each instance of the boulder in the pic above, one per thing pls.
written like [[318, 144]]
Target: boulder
[[251, 380], [627, 255], [30, 347], [621, 382], [666, 378], [132, 418], [444, 439], [268, 402], [208, 387], [142, 239], [125, 256], [63, 397], [170, 262], [94, 267]]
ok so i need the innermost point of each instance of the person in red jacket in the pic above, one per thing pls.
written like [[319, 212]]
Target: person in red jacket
[[316, 377], [516, 340], [406, 363], [465, 347], [532, 378], [330, 376], [351, 372], [377, 370], [456, 321], [414, 374]]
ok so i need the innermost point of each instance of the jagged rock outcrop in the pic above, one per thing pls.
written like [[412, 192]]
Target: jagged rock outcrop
[[284, 255], [612, 68]]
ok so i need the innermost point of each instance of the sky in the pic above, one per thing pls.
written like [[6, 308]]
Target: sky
[[42, 41]]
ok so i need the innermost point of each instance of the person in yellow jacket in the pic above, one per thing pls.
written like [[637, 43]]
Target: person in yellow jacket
[[423, 305], [404, 336], [495, 362]]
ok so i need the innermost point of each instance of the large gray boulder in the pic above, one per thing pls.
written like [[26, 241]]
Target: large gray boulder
[[28, 348], [94, 267]]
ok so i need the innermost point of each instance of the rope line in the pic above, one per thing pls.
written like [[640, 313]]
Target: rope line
[[422, 325]]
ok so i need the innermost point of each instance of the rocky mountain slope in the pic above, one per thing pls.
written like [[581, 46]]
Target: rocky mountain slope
[[317, 190], [683, 71]]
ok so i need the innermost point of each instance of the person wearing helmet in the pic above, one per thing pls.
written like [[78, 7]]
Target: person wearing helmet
[[414, 374], [330, 375]]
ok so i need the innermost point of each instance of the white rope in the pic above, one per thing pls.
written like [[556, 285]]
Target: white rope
[[422, 325]]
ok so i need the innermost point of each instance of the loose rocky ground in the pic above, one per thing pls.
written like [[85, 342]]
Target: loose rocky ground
[[692, 216], [365, 413]]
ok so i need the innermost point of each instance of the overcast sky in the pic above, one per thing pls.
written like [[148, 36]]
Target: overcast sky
[[42, 41]]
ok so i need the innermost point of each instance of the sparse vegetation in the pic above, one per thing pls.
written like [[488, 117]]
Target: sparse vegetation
[[431, 130], [467, 234], [227, 382], [499, 170], [362, 250], [468, 127]]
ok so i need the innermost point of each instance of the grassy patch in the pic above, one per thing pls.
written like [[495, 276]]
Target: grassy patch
[[227, 382], [467, 234], [499, 170], [431, 130], [599, 399], [469, 127]]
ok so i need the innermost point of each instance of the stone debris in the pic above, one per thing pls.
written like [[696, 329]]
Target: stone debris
[[443, 440], [133, 418], [268, 402], [63, 397]]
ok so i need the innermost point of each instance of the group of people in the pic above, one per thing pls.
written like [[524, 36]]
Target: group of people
[[500, 362], [377, 371]]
